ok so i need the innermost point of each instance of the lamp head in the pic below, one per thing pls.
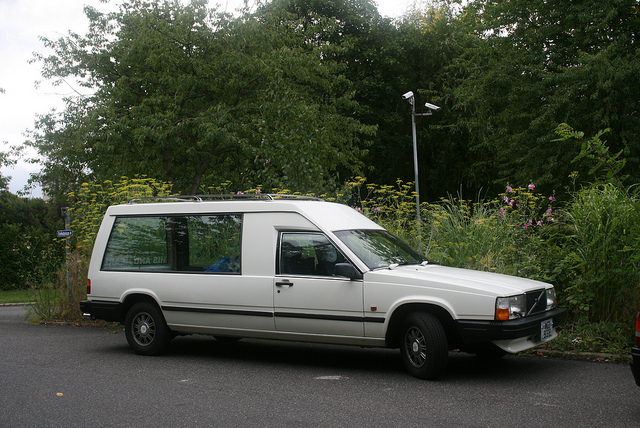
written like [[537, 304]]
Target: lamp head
[[432, 106]]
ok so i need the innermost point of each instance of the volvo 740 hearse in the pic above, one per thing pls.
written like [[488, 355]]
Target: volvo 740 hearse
[[298, 268]]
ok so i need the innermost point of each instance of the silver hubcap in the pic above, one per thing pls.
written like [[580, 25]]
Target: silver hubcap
[[416, 347], [144, 329]]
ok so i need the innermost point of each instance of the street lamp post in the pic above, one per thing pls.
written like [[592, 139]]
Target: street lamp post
[[412, 100]]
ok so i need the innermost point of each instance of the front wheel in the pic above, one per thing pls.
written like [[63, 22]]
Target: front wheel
[[424, 346], [146, 330]]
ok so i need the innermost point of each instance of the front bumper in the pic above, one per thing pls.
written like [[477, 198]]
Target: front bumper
[[474, 331], [102, 310], [635, 365]]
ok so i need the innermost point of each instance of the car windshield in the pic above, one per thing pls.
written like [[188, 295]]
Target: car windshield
[[379, 248]]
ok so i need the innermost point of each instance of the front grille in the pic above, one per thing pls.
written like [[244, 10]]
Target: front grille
[[536, 301]]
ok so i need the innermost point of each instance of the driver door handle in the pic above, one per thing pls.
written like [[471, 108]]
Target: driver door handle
[[282, 284]]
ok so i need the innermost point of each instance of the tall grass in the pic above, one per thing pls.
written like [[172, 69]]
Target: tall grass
[[604, 253], [470, 235]]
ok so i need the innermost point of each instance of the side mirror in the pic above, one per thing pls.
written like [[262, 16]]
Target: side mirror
[[347, 270]]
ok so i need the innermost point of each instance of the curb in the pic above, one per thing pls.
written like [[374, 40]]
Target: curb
[[583, 356]]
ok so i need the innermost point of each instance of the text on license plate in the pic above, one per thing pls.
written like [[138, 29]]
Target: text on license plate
[[546, 330]]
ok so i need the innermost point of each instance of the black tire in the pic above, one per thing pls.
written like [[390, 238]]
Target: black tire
[[146, 330], [424, 346]]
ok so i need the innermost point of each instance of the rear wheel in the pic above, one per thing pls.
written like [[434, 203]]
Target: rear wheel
[[146, 330], [424, 346]]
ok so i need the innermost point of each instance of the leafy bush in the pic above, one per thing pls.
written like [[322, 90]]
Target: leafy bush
[[28, 246], [53, 301], [10, 269], [601, 337]]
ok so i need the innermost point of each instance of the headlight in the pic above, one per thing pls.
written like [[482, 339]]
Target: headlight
[[510, 307], [551, 298]]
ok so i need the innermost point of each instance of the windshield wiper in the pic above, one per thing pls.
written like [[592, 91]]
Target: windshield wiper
[[395, 265], [422, 263]]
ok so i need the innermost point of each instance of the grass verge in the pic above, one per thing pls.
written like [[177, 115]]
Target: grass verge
[[604, 337], [16, 296]]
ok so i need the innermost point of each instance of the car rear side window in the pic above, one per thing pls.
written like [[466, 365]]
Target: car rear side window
[[192, 243]]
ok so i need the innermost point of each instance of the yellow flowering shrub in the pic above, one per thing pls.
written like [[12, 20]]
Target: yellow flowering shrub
[[93, 199]]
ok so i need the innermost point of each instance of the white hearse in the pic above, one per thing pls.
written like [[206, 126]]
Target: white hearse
[[298, 268]]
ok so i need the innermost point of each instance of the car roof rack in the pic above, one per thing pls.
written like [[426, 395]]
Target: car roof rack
[[229, 197]]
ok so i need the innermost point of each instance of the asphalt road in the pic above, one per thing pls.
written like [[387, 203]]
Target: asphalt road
[[63, 376]]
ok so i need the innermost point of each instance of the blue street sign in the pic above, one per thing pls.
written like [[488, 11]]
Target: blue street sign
[[64, 233]]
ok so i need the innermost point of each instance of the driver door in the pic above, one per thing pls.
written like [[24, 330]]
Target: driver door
[[308, 297]]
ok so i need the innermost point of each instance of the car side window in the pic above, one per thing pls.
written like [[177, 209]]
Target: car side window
[[308, 254], [214, 242], [137, 242], [202, 243]]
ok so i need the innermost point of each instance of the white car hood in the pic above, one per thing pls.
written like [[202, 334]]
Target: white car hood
[[471, 281]]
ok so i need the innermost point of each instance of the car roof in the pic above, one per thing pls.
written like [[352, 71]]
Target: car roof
[[326, 215]]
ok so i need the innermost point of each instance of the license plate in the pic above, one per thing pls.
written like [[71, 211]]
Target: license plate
[[546, 330]]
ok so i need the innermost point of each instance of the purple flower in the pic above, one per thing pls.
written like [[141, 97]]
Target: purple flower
[[531, 186], [551, 198], [509, 189], [377, 210]]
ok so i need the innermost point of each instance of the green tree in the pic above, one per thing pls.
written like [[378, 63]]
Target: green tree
[[4, 161], [368, 54], [434, 45], [384, 59], [190, 96], [536, 64]]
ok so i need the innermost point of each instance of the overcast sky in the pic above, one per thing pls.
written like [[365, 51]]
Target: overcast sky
[[21, 22]]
